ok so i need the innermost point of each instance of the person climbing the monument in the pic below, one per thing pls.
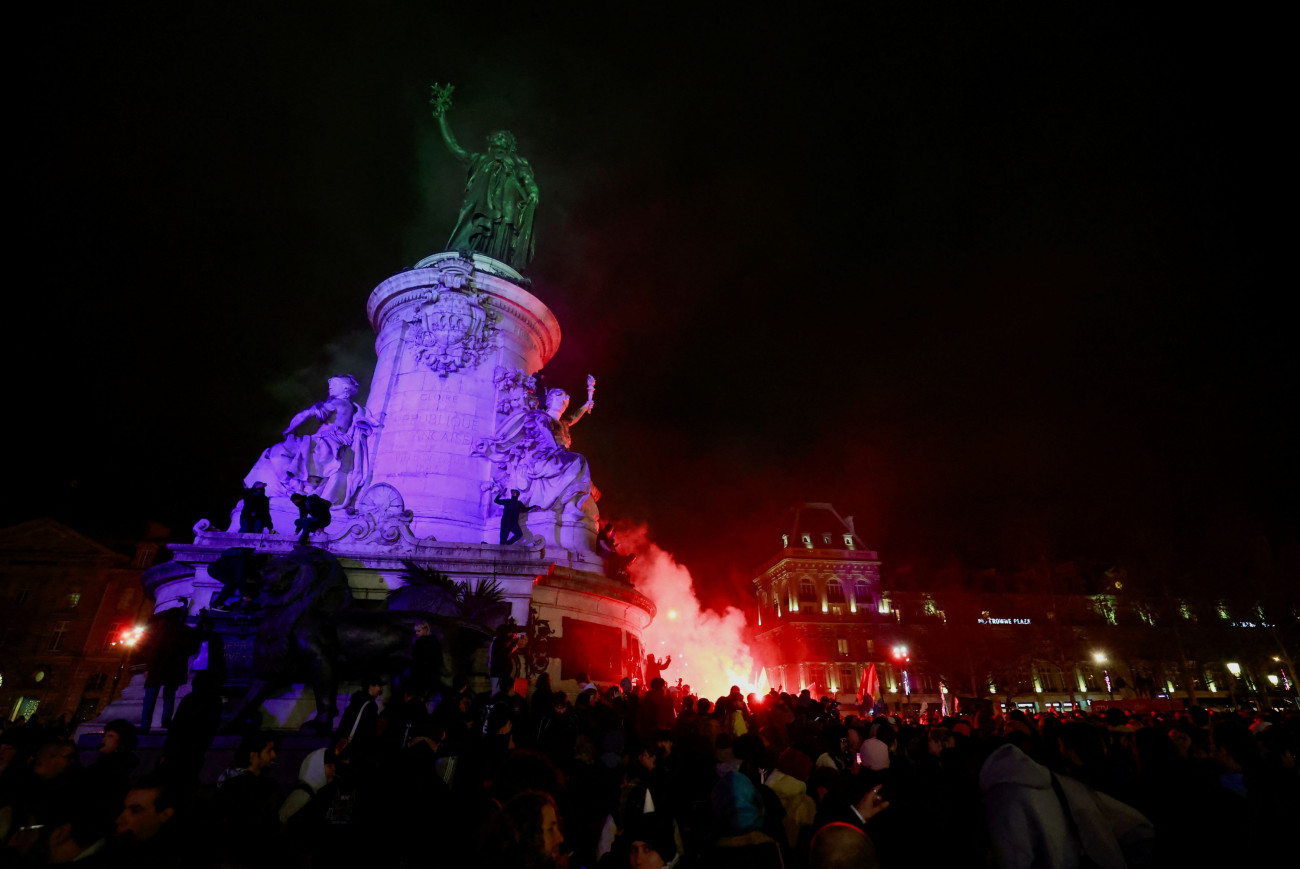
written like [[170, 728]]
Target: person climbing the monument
[[511, 509], [255, 517], [496, 216], [313, 515], [617, 561]]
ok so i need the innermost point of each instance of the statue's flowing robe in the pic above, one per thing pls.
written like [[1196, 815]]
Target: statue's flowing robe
[[533, 447], [333, 463], [496, 217]]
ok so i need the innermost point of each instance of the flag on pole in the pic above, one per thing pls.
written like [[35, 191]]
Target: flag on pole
[[869, 686]]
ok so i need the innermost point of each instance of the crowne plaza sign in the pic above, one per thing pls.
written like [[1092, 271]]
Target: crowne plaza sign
[[989, 620]]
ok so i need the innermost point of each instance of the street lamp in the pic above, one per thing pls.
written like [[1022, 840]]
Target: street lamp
[[1100, 658], [127, 641], [902, 658]]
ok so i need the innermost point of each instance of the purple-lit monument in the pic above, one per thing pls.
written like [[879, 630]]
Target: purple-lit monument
[[451, 422]]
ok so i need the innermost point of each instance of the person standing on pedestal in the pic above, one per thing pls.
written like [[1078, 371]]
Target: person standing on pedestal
[[170, 643], [511, 509], [255, 517]]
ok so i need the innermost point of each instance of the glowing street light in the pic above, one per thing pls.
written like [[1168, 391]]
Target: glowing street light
[[130, 636], [1100, 658]]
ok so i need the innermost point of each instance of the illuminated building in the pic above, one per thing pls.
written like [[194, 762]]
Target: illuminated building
[[66, 602], [820, 605], [1040, 638]]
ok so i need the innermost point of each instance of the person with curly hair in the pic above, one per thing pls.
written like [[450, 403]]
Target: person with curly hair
[[525, 833]]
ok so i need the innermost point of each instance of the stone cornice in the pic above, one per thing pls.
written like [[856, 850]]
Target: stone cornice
[[784, 565], [521, 307], [595, 584]]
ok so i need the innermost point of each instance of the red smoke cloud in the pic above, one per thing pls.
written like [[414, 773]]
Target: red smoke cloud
[[708, 648]]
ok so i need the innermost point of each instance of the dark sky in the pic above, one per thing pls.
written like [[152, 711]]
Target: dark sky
[[1000, 282]]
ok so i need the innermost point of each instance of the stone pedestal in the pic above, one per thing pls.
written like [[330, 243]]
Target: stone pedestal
[[443, 328], [446, 330]]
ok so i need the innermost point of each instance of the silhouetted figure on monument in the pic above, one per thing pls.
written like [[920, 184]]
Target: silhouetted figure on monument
[[255, 517], [313, 515], [511, 509], [169, 643], [616, 560], [496, 216]]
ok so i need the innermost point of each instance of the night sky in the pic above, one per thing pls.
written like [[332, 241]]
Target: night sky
[[1002, 283]]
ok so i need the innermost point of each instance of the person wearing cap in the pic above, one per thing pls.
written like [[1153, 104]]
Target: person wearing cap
[[255, 516], [653, 845]]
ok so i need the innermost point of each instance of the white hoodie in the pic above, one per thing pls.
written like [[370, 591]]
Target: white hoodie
[[312, 774], [1028, 827]]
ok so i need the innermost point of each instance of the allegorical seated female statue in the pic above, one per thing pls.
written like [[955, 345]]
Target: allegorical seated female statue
[[533, 446], [334, 462], [496, 216]]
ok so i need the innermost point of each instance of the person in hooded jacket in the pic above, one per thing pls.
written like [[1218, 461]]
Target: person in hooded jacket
[[1039, 819]]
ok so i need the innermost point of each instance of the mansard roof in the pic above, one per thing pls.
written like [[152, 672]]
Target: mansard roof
[[817, 520]]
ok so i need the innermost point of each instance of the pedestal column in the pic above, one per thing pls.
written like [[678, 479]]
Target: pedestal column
[[443, 329]]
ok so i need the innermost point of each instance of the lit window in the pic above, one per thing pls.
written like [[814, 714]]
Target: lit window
[[1223, 611], [807, 540], [842, 645], [785, 540], [826, 539], [884, 605], [848, 541], [73, 600]]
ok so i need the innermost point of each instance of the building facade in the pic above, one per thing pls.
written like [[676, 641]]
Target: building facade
[[1055, 636], [66, 603]]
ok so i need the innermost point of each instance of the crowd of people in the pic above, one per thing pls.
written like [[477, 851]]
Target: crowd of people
[[617, 776]]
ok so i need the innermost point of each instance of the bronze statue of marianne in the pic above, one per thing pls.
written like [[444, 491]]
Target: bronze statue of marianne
[[496, 218]]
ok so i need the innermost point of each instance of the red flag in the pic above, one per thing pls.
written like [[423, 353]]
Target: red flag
[[870, 685]]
